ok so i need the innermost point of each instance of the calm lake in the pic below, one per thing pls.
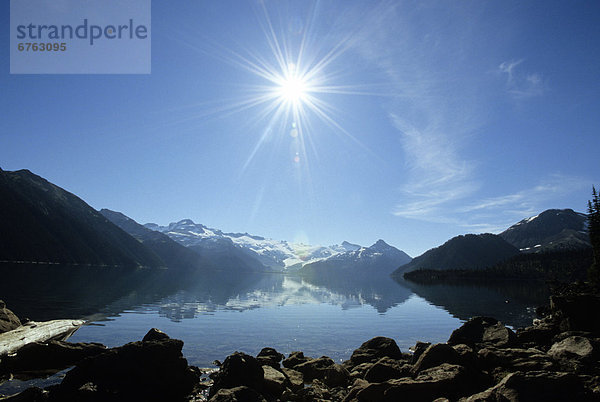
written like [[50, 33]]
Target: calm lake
[[217, 314]]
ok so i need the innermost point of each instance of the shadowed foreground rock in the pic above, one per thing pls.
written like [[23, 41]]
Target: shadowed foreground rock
[[8, 319], [39, 359], [153, 370], [150, 370]]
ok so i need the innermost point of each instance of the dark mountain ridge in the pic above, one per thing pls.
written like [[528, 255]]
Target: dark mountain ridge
[[41, 222], [553, 229], [172, 253], [463, 252]]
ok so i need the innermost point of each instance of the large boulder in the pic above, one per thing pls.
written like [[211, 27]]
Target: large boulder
[[38, 359], [483, 331], [294, 359], [274, 381], [540, 334], [239, 369], [270, 357], [574, 310], [435, 355], [319, 391], [295, 378], [533, 386], [150, 371], [32, 394], [418, 350], [325, 370], [8, 319], [386, 369], [443, 381], [573, 347], [155, 335], [514, 359], [237, 394], [373, 350]]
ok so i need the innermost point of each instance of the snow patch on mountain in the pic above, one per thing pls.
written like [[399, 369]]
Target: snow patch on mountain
[[278, 255]]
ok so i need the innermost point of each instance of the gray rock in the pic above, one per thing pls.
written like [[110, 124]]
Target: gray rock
[[295, 378], [360, 370], [318, 391], [483, 330], [435, 355], [539, 334], [574, 311], [574, 347], [32, 394], [270, 357], [237, 394], [515, 359], [274, 381], [39, 359], [155, 335], [387, 369], [239, 369], [294, 359], [325, 370], [8, 319], [418, 350], [371, 392], [533, 386], [373, 350], [149, 371], [358, 385], [443, 381]]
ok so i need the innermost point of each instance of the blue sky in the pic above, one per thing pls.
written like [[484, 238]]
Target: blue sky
[[421, 121]]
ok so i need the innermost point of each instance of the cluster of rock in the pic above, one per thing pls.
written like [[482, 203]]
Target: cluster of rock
[[153, 369], [556, 359]]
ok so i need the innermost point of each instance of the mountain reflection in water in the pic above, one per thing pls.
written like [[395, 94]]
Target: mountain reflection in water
[[50, 292]]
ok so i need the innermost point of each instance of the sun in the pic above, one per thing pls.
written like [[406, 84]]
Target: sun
[[291, 86], [292, 89]]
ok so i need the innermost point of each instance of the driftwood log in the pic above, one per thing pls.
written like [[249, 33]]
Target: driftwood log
[[12, 341]]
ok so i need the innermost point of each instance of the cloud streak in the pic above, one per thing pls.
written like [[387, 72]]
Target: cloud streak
[[437, 111], [438, 175], [520, 84]]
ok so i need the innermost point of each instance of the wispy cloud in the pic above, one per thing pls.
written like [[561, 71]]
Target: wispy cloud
[[494, 214], [438, 174], [437, 110], [528, 201], [521, 84], [433, 108]]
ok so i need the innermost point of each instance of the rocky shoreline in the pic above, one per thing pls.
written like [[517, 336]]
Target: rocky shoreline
[[555, 359]]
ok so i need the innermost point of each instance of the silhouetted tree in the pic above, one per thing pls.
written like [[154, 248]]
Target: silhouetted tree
[[594, 231]]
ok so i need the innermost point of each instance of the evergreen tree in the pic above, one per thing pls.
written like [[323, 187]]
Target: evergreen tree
[[594, 231]]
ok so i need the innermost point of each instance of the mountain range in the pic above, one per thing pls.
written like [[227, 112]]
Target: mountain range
[[554, 230], [42, 222], [281, 255]]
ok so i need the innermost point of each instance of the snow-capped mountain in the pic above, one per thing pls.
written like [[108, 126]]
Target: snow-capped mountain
[[380, 258], [279, 255], [552, 229]]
